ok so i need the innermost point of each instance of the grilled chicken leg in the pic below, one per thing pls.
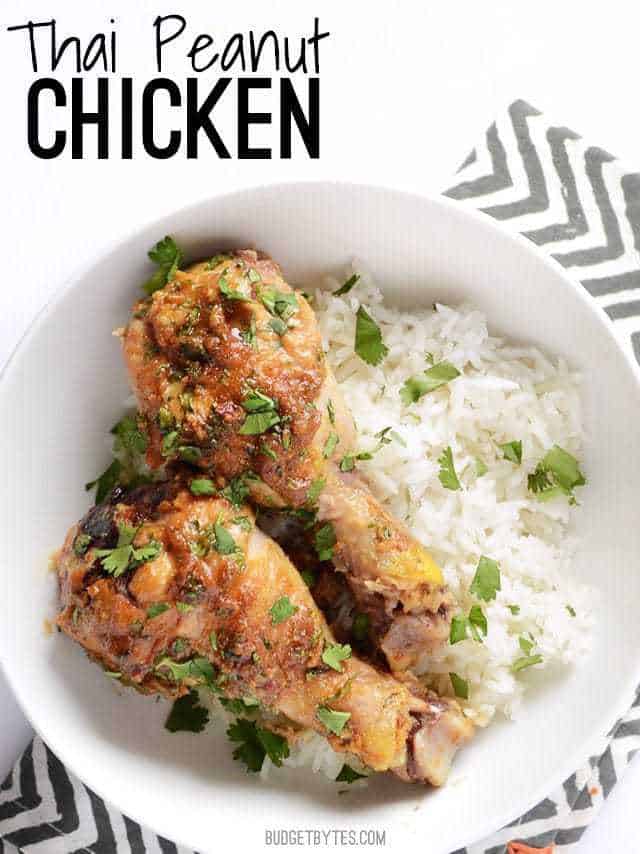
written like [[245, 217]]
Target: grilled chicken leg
[[171, 590], [228, 368]]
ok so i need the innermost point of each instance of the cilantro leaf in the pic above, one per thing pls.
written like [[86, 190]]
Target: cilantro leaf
[[125, 556], [368, 341], [515, 609], [197, 671], [332, 720], [331, 412], [334, 654], [281, 610], [525, 645], [481, 467], [458, 630], [168, 256], [486, 581], [557, 473], [236, 490], [129, 436], [157, 608], [255, 743], [231, 293], [348, 775], [351, 282], [109, 479], [570, 610], [81, 544], [262, 413], [460, 686], [324, 541], [433, 378], [315, 489], [202, 486], [447, 475], [213, 640], [224, 542], [525, 661], [478, 622], [512, 451], [279, 303], [330, 445], [187, 715]]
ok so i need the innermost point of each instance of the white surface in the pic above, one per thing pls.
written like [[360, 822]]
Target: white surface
[[119, 746], [404, 97]]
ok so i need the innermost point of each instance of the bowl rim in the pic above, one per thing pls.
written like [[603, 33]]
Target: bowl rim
[[627, 693]]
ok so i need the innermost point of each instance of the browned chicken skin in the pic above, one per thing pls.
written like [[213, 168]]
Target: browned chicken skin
[[228, 368], [170, 590]]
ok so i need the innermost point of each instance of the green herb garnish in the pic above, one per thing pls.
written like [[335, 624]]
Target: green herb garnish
[[187, 715], [447, 475], [125, 556], [486, 581], [336, 653], [433, 378], [202, 486], [262, 414], [255, 743], [368, 341], [332, 720], [460, 686], [512, 451], [281, 610], [351, 282], [348, 775], [168, 256], [324, 541], [156, 609], [330, 445], [557, 473]]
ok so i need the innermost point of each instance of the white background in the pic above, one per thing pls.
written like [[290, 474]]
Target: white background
[[406, 89]]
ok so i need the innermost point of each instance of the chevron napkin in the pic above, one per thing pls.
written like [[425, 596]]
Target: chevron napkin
[[580, 205]]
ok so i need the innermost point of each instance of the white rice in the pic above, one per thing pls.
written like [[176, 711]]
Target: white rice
[[506, 392]]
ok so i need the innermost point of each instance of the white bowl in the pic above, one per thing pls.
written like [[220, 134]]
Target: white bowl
[[64, 388]]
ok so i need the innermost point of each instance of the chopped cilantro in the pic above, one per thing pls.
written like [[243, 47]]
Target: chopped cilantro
[[189, 453], [477, 622], [224, 543], [168, 256], [486, 581], [458, 630], [129, 436], [278, 325], [447, 475], [278, 303], [281, 610], [169, 442], [330, 445], [525, 661], [324, 541], [262, 413], [255, 743], [156, 609], [184, 607], [125, 556], [315, 489], [202, 486], [334, 654], [481, 467], [515, 609], [254, 275], [360, 628], [332, 720], [248, 335], [368, 341], [348, 775], [212, 263], [109, 478], [525, 645], [570, 610], [434, 377], [512, 451], [213, 640], [331, 411], [460, 686], [351, 282], [187, 715], [81, 543], [236, 490], [231, 293], [557, 473], [197, 671]]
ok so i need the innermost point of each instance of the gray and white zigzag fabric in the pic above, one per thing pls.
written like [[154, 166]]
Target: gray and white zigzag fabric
[[44, 809], [578, 203]]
